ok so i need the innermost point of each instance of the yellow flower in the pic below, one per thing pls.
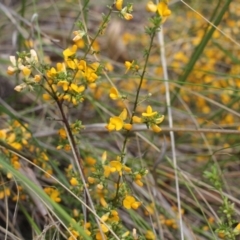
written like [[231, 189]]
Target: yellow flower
[[90, 161], [11, 70], [236, 230], [74, 181], [104, 157], [53, 194], [82, 65], [16, 145], [76, 88], [90, 74], [123, 114], [17, 65], [99, 236], [128, 65], [105, 217], [149, 112], [104, 228], [130, 202], [37, 78], [221, 234], [78, 35], [74, 235], [150, 235], [126, 169], [156, 128], [117, 123], [91, 180], [159, 120], [72, 63], [116, 166], [114, 216], [80, 43], [26, 71], [69, 52], [138, 179], [20, 87], [103, 202], [136, 119], [127, 126], [163, 11], [6, 192], [64, 84], [46, 96], [127, 16], [118, 5], [109, 67], [107, 171], [62, 133], [114, 94], [125, 234], [151, 7]]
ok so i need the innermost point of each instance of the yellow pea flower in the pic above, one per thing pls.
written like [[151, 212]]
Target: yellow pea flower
[[130, 202], [99, 236], [76, 88], [116, 123], [127, 126], [107, 171], [156, 128], [127, 16], [151, 7], [105, 217], [74, 181], [78, 35], [26, 71], [114, 217], [116, 167], [114, 94], [64, 84], [37, 78], [136, 119], [128, 65], [163, 11], [119, 4], [236, 230], [138, 179], [62, 133], [149, 112], [159, 120], [123, 114], [91, 180], [53, 194], [150, 235], [70, 51], [46, 96]]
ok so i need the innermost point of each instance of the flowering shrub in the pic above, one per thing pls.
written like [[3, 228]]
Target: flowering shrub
[[102, 182], [91, 180]]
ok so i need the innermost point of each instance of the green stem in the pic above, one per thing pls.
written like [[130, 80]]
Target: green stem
[[135, 106], [101, 28]]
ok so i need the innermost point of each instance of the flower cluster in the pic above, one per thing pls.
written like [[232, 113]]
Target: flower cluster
[[126, 11], [16, 136], [117, 122], [66, 82], [151, 118], [161, 8], [25, 64]]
